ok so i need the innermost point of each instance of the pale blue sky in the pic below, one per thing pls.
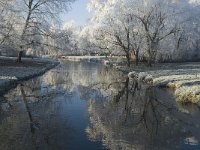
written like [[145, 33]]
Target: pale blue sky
[[78, 13]]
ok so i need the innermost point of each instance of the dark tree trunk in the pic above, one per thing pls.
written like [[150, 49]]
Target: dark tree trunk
[[136, 59], [150, 57], [19, 56], [149, 62], [128, 60], [20, 53]]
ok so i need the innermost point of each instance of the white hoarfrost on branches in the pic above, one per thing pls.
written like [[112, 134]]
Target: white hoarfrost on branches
[[150, 30], [141, 30], [27, 24]]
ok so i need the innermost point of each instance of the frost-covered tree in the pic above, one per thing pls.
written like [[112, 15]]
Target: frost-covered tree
[[157, 24], [188, 47], [154, 29], [120, 28], [86, 40], [70, 39], [7, 22], [37, 14]]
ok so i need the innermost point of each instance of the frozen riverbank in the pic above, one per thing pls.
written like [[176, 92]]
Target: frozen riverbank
[[11, 72], [184, 78]]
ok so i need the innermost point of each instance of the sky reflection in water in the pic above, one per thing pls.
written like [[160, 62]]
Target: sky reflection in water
[[88, 106]]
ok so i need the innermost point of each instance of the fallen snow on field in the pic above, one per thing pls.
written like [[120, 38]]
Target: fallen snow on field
[[185, 79], [9, 75]]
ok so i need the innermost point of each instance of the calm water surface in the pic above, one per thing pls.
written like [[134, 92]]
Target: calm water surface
[[85, 106]]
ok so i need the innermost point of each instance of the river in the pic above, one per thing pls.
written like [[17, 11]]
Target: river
[[87, 106]]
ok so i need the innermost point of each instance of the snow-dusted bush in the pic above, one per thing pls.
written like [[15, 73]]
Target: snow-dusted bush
[[188, 94], [149, 79], [141, 76], [132, 74], [107, 62], [185, 80]]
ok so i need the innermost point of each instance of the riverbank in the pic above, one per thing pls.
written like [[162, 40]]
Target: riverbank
[[11, 73], [184, 78]]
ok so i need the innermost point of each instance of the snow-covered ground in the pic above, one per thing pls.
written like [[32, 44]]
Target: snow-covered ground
[[10, 74], [184, 78]]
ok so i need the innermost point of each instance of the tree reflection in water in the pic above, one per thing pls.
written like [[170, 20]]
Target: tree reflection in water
[[140, 117], [52, 112], [35, 117]]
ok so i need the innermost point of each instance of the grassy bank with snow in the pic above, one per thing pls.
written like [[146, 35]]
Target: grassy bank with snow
[[184, 78], [11, 73]]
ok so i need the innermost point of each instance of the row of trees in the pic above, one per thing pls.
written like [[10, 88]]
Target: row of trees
[[141, 30], [27, 24], [151, 29]]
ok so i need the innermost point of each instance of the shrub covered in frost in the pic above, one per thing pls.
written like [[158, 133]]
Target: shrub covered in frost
[[107, 62], [185, 80], [132, 74]]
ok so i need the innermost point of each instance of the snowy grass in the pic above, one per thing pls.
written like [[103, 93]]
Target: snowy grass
[[10, 75], [183, 78]]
